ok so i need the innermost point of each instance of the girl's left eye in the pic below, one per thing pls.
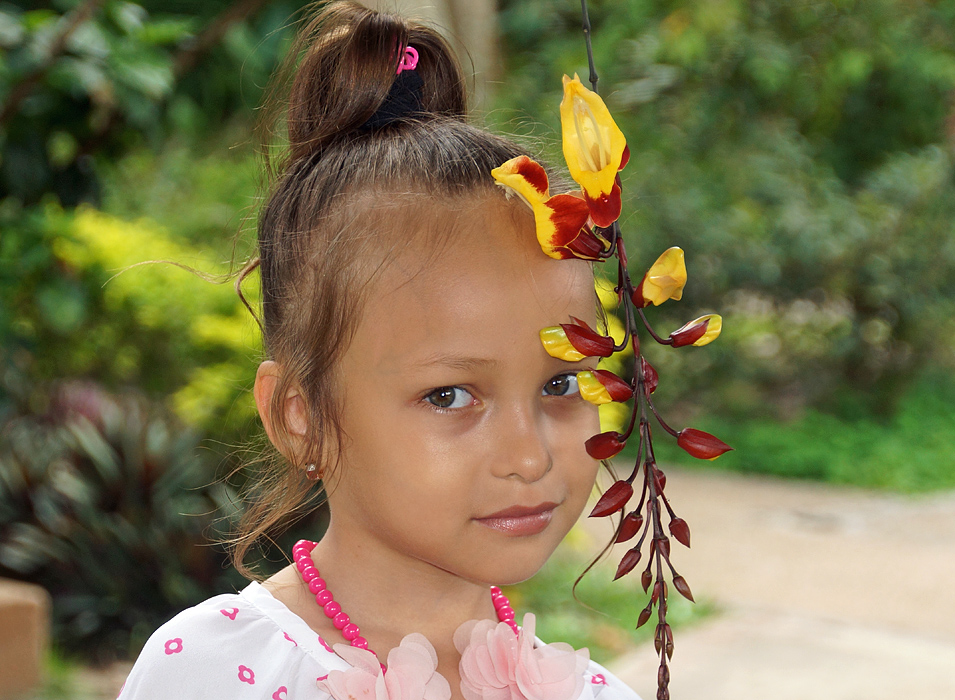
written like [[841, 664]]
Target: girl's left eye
[[561, 385], [449, 397]]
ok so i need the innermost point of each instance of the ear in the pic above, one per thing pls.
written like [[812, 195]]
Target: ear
[[296, 420]]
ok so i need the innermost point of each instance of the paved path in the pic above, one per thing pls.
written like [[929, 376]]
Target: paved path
[[826, 593]]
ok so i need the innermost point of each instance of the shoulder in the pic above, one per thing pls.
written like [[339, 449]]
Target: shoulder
[[229, 646], [601, 684]]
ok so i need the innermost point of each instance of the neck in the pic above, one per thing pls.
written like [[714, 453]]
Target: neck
[[389, 595]]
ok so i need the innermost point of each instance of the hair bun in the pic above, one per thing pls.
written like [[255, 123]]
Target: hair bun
[[343, 65]]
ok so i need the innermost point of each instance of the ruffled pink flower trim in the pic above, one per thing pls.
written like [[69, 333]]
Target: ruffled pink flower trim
[[495, 664]]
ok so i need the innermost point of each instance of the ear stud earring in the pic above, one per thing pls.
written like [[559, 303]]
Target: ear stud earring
[[312, 472]]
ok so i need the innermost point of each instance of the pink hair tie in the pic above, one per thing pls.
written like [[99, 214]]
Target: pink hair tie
[[409, 61]]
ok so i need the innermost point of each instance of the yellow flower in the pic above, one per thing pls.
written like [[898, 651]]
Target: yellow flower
[[600, 387], [595, 149], [555, 342], [664, 280], [560, 221]]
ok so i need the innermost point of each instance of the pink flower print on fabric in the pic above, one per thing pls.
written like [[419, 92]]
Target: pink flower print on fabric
[[246, 675], [496, 664], [173, 646], [290, 639], [598, 679], [325, 645], [280, 694], [412, 674], [230, 613]]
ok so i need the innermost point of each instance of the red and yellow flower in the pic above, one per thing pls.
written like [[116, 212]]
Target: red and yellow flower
[[595, 149], [561, 220], [600, 387], [575, 341]]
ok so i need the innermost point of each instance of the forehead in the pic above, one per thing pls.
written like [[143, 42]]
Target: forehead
[[471, 280]]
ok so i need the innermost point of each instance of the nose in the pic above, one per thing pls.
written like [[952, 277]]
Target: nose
[[524, 447]]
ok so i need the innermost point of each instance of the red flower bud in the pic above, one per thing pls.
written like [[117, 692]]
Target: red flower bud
[[586, 340], [618, 389], [645, 578], [605, 445], [630, 560], [688, 334], [650, 376], [681, 531], [679, 583], [630, 526], [614, 499], [644, 615], [701, 445]]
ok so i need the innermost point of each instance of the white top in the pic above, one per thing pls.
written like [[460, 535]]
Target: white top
[[250, 645]]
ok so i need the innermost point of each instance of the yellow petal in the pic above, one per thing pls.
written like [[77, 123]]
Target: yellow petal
[[525, 178], [555, 342], [666, 278], [712, 330], [591, 389], [593, 144]]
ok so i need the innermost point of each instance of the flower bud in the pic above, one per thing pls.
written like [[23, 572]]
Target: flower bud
[[699, 332], [664, 280], [700, 444], [600, 387], [605, 445], [575, 341], [614, 499]]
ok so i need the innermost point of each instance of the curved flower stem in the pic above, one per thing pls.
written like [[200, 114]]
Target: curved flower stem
[[590, 49], [646, 323], [660, 420]]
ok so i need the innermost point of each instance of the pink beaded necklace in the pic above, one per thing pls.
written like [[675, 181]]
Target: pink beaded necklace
[[302, 555]]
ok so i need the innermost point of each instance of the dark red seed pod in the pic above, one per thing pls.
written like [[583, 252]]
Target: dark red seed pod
[[650, 376], [679, 583], [663, 676], [659, 479], [605, 445], [663, 544], [646, 578], [681, 531], [630, 526], [663, 694], [658, 636], [613, 500], [700, 444], [644, 616], [688, 336], [657, 589], [629, 561]]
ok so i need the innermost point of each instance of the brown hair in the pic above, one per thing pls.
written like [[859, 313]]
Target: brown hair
[[342, 197]]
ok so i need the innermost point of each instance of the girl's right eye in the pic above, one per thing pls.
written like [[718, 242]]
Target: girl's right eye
[[449, 397]]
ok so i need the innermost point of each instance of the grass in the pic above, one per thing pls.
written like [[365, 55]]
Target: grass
[[909, 452]]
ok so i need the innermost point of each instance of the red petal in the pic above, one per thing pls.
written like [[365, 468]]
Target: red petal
[[618, 389], [569, 215], [604, 445], [650, 377], [606, 208], [630, 560], [533, 172], [614, 499], [681, 531], [630, 526], [701, 445], [637, 296], [690, 335], [586, 246], [625, 159], [587, 341]]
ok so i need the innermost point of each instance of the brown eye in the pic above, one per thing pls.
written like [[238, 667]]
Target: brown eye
[[449, 397], [561, 385]]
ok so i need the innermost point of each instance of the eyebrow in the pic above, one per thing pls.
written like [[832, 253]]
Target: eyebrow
[[461, 362]]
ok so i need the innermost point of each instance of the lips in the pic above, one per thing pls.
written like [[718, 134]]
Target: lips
[[520, 521]]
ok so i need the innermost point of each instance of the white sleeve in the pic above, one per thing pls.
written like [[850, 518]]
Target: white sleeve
[[222, 649], [603, 685]]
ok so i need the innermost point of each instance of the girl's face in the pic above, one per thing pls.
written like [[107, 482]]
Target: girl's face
[[463, 440]]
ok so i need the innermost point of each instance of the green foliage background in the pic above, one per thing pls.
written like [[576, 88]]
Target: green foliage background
[[800, 152]]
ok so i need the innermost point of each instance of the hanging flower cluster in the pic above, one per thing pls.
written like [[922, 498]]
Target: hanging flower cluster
[[584, 226]]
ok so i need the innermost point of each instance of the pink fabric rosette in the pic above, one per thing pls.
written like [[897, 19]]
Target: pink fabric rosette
[[496, 664], [412, 674]]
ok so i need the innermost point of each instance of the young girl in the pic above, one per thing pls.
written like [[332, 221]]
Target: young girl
[[403, 297]]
